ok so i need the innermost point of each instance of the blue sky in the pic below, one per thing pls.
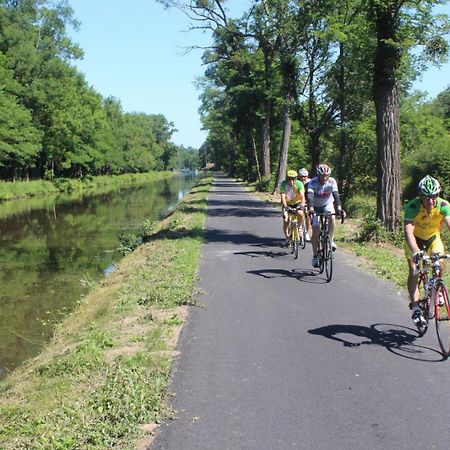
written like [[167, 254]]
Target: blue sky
[[134, 51]]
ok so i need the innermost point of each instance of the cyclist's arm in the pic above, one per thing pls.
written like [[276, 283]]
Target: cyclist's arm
[[410, 238], [447, 221], [283, 200], [337, 200]]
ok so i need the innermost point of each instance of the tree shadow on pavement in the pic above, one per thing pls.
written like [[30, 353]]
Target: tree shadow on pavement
[[240, 208], [306, 276], [397, 339]]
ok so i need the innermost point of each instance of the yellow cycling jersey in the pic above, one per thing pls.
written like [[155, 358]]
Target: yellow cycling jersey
[[293, 193], [426, 224]]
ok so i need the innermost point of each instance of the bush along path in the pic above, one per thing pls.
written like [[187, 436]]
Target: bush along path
[[101, 381]]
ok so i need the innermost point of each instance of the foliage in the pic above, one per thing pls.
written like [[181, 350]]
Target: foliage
[[372, 230], [52, 124]]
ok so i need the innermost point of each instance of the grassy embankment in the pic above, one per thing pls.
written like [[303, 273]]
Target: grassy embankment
[[101, 381], [37, 188]]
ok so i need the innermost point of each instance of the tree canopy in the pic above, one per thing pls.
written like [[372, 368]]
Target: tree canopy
[[52, 123]]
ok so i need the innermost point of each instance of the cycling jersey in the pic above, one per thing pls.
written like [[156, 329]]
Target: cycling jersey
[[322, 193], [293, 192], [426, 224]]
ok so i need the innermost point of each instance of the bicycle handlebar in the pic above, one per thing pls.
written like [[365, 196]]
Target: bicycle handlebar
[[435, 257], [329, 214], [295, 209]]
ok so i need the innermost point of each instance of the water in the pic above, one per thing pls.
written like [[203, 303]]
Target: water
[[51, 251]]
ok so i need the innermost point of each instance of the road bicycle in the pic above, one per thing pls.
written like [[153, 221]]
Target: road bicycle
[[324, 248], [434, 301], [296, 230]]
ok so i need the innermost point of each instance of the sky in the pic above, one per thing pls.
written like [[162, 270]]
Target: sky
[[135, 51]]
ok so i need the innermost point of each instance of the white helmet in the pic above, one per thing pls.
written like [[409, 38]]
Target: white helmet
[[323, 169], [303, 172], [429, 186]]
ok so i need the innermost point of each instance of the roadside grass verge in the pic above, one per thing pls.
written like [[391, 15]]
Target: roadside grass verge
[[25, 189], [101, 381]]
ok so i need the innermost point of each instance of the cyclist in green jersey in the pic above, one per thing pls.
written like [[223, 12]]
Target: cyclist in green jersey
[[423, 218], [292, 195]]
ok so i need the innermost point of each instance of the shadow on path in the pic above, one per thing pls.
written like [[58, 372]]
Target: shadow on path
[[306, 275], [398, 339]]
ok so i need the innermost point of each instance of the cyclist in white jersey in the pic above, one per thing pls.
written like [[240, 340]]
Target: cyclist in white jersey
[[323, 195]]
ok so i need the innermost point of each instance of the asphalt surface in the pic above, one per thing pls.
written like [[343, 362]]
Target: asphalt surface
[[276, 358]]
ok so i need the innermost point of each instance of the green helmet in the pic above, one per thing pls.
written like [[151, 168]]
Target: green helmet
[[429, 186]]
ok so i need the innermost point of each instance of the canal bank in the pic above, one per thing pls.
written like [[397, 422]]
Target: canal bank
[[52, 250], [105, 370]]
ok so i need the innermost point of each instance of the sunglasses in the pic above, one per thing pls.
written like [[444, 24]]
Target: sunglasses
[[292, 178], [430, 197]]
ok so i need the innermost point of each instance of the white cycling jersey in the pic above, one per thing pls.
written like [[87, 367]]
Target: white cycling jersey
[[323, 193]]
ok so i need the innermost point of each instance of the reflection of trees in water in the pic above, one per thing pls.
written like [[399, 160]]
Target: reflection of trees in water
[[46, 253]]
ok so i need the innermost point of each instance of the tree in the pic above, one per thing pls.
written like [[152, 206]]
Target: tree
[[398, 25]]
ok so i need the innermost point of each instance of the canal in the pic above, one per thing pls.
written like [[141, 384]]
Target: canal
[[53, 251]]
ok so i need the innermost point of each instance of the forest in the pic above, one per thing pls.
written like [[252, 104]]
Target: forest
[[295, 83], [52, 123]]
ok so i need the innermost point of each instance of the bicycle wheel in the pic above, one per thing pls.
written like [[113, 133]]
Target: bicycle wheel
[[302, 231], [328, 258], [442, 317], [294, 239], [320, 255], [426, 304]]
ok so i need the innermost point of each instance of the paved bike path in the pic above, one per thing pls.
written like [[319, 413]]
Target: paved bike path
[[276, 358]]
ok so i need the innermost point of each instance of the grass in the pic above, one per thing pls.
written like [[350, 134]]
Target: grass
[[26, 189], [101, 381]]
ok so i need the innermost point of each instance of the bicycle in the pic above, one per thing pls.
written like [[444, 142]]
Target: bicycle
[[434, 301], [324, 248], [296, 230]]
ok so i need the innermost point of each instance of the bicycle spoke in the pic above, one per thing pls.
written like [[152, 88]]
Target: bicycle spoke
[[328, 259], [442, 317]]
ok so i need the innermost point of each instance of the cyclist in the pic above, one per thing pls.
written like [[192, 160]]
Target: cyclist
[[303, 176], [323, 195], [423, 217], [292, 195]]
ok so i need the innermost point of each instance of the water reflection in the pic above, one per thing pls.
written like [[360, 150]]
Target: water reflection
[[49, 254]]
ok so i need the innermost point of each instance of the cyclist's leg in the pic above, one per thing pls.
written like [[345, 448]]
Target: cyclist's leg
[[413, 291], [300, 220], [315, 238], [331, 224], [413, 279], [437, 246], [315, 235], [286, 225]]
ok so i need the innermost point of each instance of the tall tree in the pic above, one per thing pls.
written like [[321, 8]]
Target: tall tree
[[398, 25]]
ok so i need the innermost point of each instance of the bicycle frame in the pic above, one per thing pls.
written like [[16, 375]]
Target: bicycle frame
[[435, 292], [296, 230], [324, 249]]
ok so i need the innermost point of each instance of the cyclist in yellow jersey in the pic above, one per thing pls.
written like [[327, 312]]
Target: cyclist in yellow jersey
[[422, 224], [292, 195]]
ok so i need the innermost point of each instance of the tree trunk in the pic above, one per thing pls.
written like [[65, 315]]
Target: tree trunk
[[266, 143], [282, 163], [255, 153], [314, 150], [342, 170], [388, 120], [232, 162]]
